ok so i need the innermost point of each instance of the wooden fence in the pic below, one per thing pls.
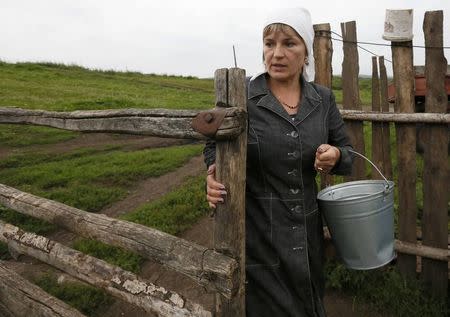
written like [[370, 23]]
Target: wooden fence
[[222, 269], [420, 249]]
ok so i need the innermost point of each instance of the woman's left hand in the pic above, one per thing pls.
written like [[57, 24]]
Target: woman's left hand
[[326, 158]]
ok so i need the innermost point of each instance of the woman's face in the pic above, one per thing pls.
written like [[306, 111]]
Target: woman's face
[[284, 54]]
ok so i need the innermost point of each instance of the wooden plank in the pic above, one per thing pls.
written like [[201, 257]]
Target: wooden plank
[[229, 227], [402, 55], [155, 122], [431, 118], [122, 284], [436, 169], [350, 95], [377, 133], [385, 126], [323, 54], [440, 255], [209, 268], [18, 297]]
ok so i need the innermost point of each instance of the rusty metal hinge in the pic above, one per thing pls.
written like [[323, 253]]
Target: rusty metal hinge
[[208, 122]]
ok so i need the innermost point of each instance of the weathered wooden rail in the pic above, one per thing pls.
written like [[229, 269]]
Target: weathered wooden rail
[[154, 122], [215, 271], [114, 280]]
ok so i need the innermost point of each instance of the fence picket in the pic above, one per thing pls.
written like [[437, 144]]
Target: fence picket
[[385, 126], [436, 170], [377, 128], [406, 151], [350, 95]]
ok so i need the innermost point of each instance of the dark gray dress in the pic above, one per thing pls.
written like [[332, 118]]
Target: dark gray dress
[[284, 235]]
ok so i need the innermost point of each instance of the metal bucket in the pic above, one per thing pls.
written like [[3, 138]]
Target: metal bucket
[[360, 217]]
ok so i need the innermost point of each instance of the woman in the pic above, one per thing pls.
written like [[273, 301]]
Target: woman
[[295, 130]]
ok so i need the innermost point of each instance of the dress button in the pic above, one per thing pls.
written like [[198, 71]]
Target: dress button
[[294, 190], [295, 154], [294, 134], [293, 172], [296, 209]]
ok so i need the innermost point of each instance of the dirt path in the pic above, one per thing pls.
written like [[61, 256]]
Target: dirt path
[[153, 188], [96, 140]]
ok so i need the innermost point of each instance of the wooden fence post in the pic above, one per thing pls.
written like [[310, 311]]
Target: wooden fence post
[[385, 127], [229, 227], [402, 59], [436, 170], [377, 136], [323, 54], [350, 95]]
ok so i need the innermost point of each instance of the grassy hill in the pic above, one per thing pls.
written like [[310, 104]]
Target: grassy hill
[[66, 88]]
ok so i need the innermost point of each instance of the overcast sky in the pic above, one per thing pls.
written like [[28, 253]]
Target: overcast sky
[[184, 37]]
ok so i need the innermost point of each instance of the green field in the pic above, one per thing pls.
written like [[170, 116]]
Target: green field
[[66, 88], [92, 178]]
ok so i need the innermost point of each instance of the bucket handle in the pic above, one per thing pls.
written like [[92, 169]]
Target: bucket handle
[[359, 154]]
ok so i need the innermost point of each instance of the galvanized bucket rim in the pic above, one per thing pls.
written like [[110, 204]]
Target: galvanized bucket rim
[[386, 190]]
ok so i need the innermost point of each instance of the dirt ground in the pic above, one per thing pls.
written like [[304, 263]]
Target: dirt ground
[[337, 305]]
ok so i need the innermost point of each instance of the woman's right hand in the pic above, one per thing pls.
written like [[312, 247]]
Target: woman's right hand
[[215, 191]]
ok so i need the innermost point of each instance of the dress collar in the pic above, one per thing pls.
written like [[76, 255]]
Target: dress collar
[[309, 102]]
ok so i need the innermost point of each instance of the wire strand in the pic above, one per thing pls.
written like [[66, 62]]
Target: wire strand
[[371, 43], [388, 45], [363, 48]]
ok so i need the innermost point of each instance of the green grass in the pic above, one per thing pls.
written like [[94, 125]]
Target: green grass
[[14, 135], [365, 90], [4, 253], [114, 255], [385, 290], [90, 179], [66, 88], [176, 211], [87, 299]]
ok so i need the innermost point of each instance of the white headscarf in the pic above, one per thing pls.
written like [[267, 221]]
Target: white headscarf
[[300, 20]]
